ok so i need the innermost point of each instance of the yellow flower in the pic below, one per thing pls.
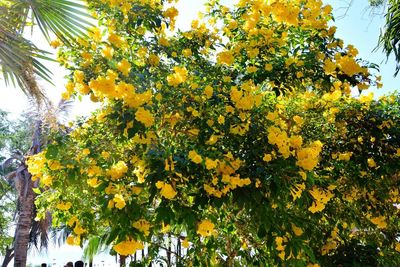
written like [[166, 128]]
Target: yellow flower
[[171, 13], [72, 220], [73, 240], [124, 67], [371, 163], [154, 60], [93, 182], [144, 116], [297, 191], [187, 52], [143, 226], [165, 228], [379, 222], [267, 157], [64, 205], [297, 230], [116, 40], [167, 190], [205, 228], [321, 198], [105, 154], [119, 201], [107, 52], [296, 141], [163, 41], [208, 91], [178, 77], [185, 243], [225, 57], [56, 43], [118, 170], [268, 67], [79, 229], [129, 247], [349, 66], [211, 164], [193, 156], [85, 152], [221, 119]]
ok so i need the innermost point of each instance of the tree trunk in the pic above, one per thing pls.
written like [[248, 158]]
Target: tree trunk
[[26, 201], [8, 256], [122, 261]]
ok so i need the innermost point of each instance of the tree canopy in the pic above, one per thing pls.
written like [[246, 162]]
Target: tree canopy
[[238, 138]]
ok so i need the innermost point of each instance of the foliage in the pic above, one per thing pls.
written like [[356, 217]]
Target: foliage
[[238, 138]]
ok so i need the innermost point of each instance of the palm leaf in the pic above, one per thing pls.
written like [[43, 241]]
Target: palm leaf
[[66, 19], [390, 38], [18, 60]]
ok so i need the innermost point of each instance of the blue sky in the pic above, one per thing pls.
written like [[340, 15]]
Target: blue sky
[[357, 26]]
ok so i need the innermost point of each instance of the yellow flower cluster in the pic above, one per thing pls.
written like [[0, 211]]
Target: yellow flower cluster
[[205, 228], [36, 165], [118, 201], [167, 190], [73, 240], [379, 221], [117, 170], [178, 77], [307, 157], [247, 97], [225, 57], [128, 247], [143, 226], [196, 158], [64, 205], [297, 190], [280, 247], [331, 243], [144, 116], [321, 198]]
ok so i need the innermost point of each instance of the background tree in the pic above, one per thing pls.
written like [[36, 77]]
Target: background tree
[[14, 138]]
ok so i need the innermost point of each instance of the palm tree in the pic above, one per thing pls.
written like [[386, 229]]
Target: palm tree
[[20, 65], [28, 231]]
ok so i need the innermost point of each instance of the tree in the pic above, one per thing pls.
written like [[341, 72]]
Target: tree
[[14, 138], [234, 143]]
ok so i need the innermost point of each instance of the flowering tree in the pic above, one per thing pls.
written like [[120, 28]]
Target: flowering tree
[[238, 139]]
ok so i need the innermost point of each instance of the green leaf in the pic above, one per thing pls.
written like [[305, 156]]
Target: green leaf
[[51, 152]]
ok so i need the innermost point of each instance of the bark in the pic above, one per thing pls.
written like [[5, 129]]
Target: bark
[[122, 261], [26, 200]]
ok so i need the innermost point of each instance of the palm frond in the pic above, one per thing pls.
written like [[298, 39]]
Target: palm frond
[[390, 38], [19, 64], [65, 18]]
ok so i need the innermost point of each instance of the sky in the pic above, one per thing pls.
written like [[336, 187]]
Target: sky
[[358, 26]]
